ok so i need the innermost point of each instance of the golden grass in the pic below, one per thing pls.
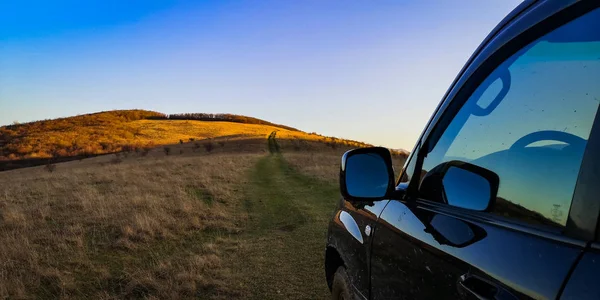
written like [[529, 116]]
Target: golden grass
[[133, 229], [171, 131], [106, 137]]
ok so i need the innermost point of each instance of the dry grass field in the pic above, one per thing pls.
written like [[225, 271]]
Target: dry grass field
[[233, 222], [140, 227]]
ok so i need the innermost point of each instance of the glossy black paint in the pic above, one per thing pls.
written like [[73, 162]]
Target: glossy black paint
[[583, 216], [354, 254], [409, 261], [425, 250], [583, 283]]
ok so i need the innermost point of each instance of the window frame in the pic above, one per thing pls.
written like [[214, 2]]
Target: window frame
[[534, 20]]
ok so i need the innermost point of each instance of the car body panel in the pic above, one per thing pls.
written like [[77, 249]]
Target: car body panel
[[411, 250], [352, 246], [583, 283]]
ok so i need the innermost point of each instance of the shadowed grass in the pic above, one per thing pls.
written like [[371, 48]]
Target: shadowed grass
[[282, 250], [201, 194]]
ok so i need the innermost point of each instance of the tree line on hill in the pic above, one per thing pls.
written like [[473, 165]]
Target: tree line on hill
[[226, 118]]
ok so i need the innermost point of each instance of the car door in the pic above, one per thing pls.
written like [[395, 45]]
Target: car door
[[524, 108], [350, 235]]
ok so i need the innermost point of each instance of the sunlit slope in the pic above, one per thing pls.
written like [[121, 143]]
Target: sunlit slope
[[101, 138], [170, 131], [115, 131]]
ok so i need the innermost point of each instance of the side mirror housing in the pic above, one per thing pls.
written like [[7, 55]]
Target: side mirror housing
[[366, 174], [461, 184]]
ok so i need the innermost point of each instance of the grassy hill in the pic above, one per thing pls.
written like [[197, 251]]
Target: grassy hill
[[236, 222], [226, 207], [89, 135]]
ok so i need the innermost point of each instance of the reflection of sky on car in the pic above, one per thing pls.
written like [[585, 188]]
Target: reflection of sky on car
[[553, 87]]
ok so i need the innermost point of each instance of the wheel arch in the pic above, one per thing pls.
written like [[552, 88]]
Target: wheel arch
[[333, 260]]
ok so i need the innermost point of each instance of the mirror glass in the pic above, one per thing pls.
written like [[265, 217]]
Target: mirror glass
[[366, 175], [466, 189]]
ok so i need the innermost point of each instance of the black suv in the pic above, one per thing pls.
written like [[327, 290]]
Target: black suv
[[500, 197]]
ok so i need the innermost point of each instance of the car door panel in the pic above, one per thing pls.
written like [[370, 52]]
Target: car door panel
[[583, 283], [414, 260], [347, 235]]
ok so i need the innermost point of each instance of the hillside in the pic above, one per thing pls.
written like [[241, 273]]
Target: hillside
[[192, 224], [89, 135], [206, 219]]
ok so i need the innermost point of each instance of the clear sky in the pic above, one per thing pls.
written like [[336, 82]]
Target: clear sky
[[366, 70]]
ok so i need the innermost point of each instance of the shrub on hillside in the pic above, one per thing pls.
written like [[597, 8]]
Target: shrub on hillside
[[50, 167], [144, 151], [167, 150], [209, 147], [128, 148], [116, 160]]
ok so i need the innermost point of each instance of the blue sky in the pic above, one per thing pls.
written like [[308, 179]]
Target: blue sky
[[365, 70]]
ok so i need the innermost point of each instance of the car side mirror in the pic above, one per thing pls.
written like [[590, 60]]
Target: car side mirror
[[461, 184], [366, 174]]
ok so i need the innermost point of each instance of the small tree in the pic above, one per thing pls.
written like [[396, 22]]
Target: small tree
[[167, 150], [192, 139], [116, 160], [50, 167], [209, 147], [180, 142], [145, 151], [105, 146]]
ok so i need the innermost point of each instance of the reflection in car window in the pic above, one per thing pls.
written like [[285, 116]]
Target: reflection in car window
[[529, 122]]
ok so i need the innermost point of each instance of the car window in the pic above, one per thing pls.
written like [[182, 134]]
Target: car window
[[529, 122]]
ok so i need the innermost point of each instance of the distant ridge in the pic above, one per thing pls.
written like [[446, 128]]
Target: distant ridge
[[139, 114], [136, 130]]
